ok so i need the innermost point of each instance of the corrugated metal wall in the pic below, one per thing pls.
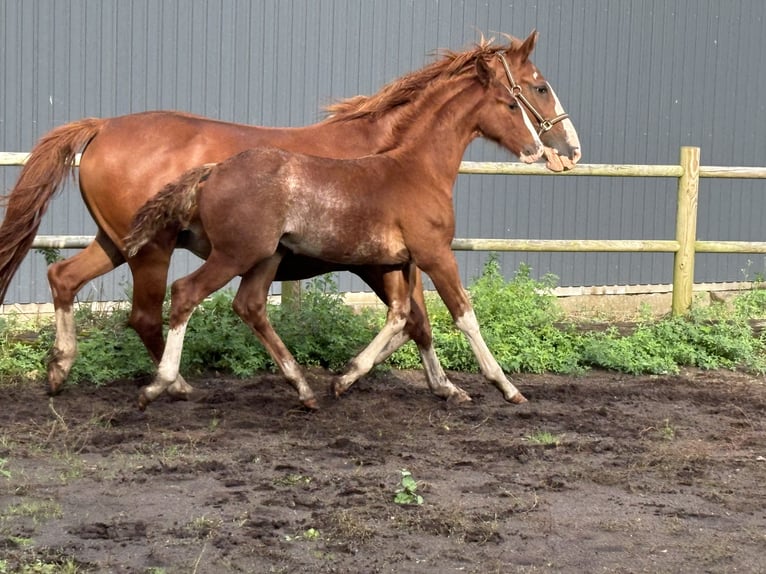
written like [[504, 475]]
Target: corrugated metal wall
[[639, 78]]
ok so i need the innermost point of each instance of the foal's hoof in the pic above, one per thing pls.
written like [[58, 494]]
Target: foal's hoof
[[459, 397], [339, 387], [517, 399], [143, 400]]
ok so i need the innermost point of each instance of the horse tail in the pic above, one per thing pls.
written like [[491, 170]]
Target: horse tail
[[50, 161], [173, 207]]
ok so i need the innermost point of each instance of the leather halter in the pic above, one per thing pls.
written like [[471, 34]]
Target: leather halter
[[515, 89]]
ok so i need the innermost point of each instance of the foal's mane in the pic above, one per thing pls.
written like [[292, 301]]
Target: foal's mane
[[409, 86]]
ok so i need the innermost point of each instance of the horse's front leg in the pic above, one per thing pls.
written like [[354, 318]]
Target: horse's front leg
[[444, 273], [417, 329]]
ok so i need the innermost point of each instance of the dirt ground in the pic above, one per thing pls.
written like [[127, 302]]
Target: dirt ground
[[597, 473]]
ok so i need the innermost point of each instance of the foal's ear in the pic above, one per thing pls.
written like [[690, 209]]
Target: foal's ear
[[483, 72]]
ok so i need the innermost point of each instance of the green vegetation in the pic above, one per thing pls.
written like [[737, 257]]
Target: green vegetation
[[521, 322], [544, 438], [4, 472], [407, 492]]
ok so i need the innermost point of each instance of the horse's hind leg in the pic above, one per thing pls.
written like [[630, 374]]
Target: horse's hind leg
[[66, 278], [444, 274], [250, 305]]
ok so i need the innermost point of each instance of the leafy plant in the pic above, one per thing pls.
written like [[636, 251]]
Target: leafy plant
[[406, 493], [520, 319], [50, 254], [324, 331]]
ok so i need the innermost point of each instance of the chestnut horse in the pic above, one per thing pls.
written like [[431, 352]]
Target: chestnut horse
[[393, 210], [126, 159]]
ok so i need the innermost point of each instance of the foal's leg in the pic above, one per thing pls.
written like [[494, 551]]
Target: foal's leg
[[250, 305], [66, 278], [444, 273], [398, 285], [150, 274], [417, 328], [186, 294]]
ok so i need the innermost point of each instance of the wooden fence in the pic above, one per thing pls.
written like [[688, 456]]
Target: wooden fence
[[685, 245]]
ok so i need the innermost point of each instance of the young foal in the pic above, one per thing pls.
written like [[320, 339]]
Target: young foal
[[393, 210], [127, 159]]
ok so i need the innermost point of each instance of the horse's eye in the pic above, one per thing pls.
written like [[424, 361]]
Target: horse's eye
[[542, 90]]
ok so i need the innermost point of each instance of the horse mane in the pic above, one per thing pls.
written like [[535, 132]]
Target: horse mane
[[406, 88]]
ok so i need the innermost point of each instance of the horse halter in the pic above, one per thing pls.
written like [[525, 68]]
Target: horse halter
[[515, 89]]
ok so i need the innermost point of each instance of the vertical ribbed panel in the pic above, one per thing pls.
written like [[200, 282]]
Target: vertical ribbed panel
[[640, 79]]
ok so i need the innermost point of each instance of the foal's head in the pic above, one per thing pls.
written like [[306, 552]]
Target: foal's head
[[537, 96]]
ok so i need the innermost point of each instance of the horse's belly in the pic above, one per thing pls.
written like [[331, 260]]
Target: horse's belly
[[349, 249]]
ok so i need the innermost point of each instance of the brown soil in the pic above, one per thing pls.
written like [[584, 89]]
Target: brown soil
[[647, 474]]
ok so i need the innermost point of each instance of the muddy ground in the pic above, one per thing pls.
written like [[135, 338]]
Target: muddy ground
[[597, 473]]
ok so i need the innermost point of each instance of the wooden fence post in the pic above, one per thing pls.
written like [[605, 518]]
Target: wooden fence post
[[686, 230], [291, 295]]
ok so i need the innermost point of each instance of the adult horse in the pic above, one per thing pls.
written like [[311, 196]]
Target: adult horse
[[393, 210], [126, 159]]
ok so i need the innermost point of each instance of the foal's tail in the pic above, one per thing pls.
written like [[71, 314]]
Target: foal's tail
[[50, 161], [173, 207]]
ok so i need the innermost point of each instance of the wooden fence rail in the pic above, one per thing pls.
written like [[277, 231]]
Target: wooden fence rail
[[684, 246]]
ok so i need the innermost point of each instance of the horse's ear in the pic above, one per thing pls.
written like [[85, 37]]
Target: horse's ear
[[483, 72], [528, 45], [520, 51]]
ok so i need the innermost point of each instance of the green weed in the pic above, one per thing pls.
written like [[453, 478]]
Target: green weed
[[407, 492], [4, 472], [544, 438]]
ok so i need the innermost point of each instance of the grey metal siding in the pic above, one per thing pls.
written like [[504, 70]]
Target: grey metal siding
[[640, 79]]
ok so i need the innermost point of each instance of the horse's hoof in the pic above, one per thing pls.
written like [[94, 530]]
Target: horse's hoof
[[56, 378], [53, 388], [517, 399], [311, 404]]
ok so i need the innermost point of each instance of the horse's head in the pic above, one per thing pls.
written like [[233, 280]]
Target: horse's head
[[502, 118], [535, 93]]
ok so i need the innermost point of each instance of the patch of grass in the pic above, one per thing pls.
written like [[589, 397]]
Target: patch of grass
[[349, 526], [544, 438], [42, 566], [38, 510], [309, 534], [4, 472], [204, 527], [293, 480]]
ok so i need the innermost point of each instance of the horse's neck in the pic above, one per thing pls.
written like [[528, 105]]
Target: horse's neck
[[349, 138]]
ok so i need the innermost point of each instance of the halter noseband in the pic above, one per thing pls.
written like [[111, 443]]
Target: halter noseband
[[515, 89]]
